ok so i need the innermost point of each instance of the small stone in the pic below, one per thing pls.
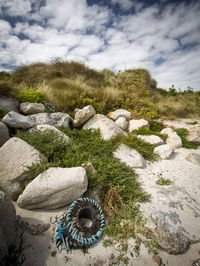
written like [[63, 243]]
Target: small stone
[[193, 158]]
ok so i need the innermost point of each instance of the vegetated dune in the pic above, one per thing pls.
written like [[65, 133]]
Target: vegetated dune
[[71, 84]]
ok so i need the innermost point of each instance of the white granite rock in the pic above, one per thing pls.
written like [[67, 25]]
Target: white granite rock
[[129, 156], [16, 120], [120, 113], [31, 108], [16, 156], [54, 188], [55, 119], [136, 124], [122, 123], [107, 127], [173, 138], [164, 151], [83, 115], [152, 139]]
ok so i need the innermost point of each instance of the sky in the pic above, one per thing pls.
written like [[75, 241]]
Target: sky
[[161, 36]]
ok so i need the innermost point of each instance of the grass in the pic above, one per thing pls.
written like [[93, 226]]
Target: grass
[[192, 123], [183, 132], [147, 131], [164, 182], [72, 84]]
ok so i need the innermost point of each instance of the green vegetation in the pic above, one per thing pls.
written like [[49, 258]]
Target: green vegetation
[[182, 132], [156, 126], [147, 131], [192, 123], [164, 182], [2, 113], [31, 95], [70, 84]]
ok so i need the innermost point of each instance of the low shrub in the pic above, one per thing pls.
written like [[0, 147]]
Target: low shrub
[[31, 95], [183, 132]]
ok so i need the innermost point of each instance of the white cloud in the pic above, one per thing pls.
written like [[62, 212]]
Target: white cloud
[[16, 7], [94, 34]]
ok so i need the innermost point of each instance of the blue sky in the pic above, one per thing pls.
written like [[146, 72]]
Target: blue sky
[[161, 36]]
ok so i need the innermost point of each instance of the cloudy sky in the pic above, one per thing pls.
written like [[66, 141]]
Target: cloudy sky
[[161, 36]]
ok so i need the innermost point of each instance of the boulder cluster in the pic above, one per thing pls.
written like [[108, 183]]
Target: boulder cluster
[[57, 187]]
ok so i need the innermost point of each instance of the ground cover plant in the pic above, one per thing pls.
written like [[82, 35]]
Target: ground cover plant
[[183, 132]]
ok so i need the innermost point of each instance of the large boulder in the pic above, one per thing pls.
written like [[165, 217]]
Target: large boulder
[[16, 156], [152, 139], [8, 104], [83, 115], [16, 120], [4, 133], [107, 127], [129, 156], [7, 224], [31, 108], [173, 138], [54, 188], [122, 123], [43, 128], [120, 113], [55, 119], [136, 124], [164, 151]]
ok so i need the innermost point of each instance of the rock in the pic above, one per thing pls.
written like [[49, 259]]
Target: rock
[[120, 113], [136, 124], [16, 120], [4, 133], [193, 158], [129, 156], [152, 139], [7, 224], [173, 139], [83, 115], [122, 123], [43, 128], [164, 151], [172, 243], [107, 127], [16, 155], [194, 133], [31, 108], [50, 107], [54, 188], [8, 104], [54, 119]]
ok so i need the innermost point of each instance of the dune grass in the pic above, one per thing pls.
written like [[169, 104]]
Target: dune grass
[[72, 84]]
